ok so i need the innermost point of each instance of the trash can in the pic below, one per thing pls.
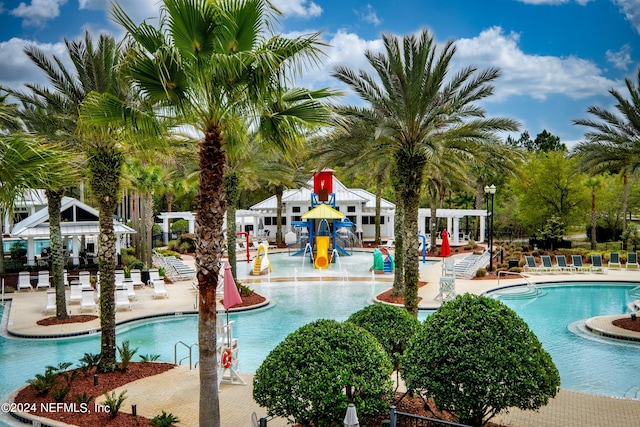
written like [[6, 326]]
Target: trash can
[[513, 263]]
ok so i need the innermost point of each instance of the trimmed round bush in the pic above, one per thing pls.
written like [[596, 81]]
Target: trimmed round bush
[[475, 357], [392, 326], [316, 371]]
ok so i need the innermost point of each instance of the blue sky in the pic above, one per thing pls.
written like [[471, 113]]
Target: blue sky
[[557, 56]]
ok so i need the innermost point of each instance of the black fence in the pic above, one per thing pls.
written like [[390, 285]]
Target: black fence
[[401, 419]]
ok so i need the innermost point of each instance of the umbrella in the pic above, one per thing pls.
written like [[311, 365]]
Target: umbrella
[[351, 417], [445, 249], [231, 296], [323, 211]]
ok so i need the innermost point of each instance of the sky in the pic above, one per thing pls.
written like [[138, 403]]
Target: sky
[[557, 57]]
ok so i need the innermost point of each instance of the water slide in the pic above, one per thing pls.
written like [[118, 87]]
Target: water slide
[[261, 263], [322, 252]]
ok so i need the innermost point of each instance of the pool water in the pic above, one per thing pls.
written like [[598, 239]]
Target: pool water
[[591, 365]]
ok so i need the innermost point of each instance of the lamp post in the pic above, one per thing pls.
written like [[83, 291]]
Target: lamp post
[[490, 191]]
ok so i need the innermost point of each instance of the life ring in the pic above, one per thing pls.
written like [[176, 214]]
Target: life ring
[[227, 358]]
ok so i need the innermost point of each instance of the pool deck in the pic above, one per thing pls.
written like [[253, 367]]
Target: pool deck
[[151, 395]]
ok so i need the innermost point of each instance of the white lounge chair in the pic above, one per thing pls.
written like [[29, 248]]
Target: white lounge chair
[[578, 265], [84, 278], [136, 277], [51, 301], [153, 276], [531, 266], [122, 298], [119, 277], [390, 244], [547, 265], [75, 292], [561, 261], [43, 280], [614, 261], [159, 289], [88, 301], [131, 294], [24, 281], [632, 261], [596, 264]]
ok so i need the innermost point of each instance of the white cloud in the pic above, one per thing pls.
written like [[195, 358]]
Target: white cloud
[[302, 8], [368, 14], [536, 76], [553, 2], [631, 9], [94, 4], [16, 68], [38, 12], [620, 59]]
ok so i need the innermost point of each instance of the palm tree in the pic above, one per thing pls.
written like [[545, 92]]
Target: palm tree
[[210, 63], [420, 112], [613, 143]]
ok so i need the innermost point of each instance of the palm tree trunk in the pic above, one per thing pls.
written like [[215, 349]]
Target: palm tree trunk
[[147, 206], [378, 202], [209, 238], [593, 218], [625, 200], [398, 230], [106, 167], [54, 202]]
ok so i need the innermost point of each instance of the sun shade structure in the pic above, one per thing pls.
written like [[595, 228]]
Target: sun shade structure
[[323, 211]]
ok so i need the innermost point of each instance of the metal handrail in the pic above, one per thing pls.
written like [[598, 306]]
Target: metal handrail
[[189, 356], [517, 274]]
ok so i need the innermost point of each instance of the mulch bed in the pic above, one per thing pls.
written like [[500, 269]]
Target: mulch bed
[[387, 297], [248, 301], [44, 406], [49, 321], [628, 324]]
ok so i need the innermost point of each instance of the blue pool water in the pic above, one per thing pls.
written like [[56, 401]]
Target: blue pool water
[[585, 365]]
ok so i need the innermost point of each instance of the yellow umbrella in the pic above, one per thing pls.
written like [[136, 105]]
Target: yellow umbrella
[[323, 211]]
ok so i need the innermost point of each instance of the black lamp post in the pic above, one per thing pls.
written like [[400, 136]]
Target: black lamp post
[[490, 192]]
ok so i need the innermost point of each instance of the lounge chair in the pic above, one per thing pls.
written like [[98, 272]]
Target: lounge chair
[[159, 289], [24, 281], [51, 301], [119, 277], [153, 276], [88, 301], [547, 265], [84, 277], [131, 294], [614, 261], [43, 280], [75, 293], [596, 264], [561, 262], [136, 277], [531, 266], [122, 298], [577, 264], [632, 261], [390, 244]]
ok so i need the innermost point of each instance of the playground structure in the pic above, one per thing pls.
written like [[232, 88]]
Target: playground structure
[[321, 223], [383, 262], [261, 263]]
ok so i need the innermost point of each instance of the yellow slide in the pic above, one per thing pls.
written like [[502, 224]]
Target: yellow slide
[[322, 252], [261, 264]]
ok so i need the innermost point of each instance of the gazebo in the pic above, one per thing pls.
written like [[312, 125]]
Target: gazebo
[[78, 220]]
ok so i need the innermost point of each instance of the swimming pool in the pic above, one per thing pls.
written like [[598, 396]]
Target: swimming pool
[[584, 365]]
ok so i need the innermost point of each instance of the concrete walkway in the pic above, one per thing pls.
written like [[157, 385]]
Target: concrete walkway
[[176, 391]]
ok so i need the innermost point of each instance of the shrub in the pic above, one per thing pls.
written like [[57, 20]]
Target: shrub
[[476, 358], [149, 357], [43, 383], [392, 326], [114, 402], [481, 272], [180, 226], [315, 373], [164, 420], [82, 398], [126, 354], [88, 362]]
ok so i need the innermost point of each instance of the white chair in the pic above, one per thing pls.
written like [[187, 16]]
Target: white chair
[[43, 280], [224, 336], [75, 292], [119, 277], [85, 280], [447, 267], [131, 294], [136, 277], [51, 301], [122, 299], [153, 276], [88, 301], [24, 281], [159, 289]]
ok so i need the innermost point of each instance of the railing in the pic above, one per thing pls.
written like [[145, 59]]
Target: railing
[[515, 273], [189, 356], [402, 419]]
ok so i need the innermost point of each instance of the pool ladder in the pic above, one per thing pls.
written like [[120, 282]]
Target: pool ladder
[[189, 356]]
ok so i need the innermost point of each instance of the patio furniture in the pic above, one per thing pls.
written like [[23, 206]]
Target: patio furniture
[[596, 264], [577, 264], [88, 301], [51, 301], [632, 261], [561, 262], [24, 281], [614, 261], [43, 280], [547, 265]]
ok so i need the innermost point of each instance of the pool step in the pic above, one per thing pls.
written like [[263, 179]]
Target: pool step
[[519, 292]]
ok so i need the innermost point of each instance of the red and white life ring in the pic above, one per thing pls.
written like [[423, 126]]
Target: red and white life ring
[[227, 358]]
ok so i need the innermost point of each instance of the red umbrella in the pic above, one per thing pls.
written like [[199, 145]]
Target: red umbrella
[[231, 294], [445, 249]]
